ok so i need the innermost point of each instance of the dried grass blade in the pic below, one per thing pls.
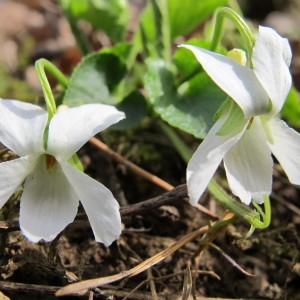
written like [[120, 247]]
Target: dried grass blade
[[93, 283], [231, 260]]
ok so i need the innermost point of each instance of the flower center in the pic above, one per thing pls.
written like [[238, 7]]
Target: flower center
[[50, 161]]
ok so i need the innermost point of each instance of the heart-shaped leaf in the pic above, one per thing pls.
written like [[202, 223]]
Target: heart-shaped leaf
[[135, 108], [94, 80], [191, 107]]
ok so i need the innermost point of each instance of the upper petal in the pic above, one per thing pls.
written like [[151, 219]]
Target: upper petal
[[238, 81], [48, 203], [22, 126], [208, 156], [271, 60], [100, 205], [12, 174], [71, 128], [286, 147], [248, 165]]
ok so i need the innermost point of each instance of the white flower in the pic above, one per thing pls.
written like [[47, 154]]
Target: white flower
[[246, 151], [52, 186]]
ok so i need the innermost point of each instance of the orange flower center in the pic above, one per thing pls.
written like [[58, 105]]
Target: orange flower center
[[50, 161]]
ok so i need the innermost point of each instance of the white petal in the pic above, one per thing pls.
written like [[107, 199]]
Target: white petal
[[271, 59], [248, 165], [207, 158], [238, 81], [71, 128], [48, 203], [22, 126], [12, 174], [100, 205], [286, 148]]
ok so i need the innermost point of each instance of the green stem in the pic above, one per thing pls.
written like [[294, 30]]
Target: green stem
[[41, 65], [180, 146], [50, 101], [239, 22], [166, 31], [266, 215], [238, 208], [82, 43], [162, 27], [157, 14], [55, 72], [241, 25], [235, 6]]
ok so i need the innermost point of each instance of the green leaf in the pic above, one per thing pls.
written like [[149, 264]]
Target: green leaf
[[110, 16], [190, 108], [185, 60], [121, 50], [94, 80], [186, 15], [135, 108], [183, 17], [291, 108]]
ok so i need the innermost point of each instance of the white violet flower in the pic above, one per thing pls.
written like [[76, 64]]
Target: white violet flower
[[52, 185], [260, 93]]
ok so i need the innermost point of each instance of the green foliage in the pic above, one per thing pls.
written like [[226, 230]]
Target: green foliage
[[177, 89], [190, 110], [121, 50], [168, 19], [185, 60], [135, 107], [111, 16], [94, 80], [182, 21], [291, 108]]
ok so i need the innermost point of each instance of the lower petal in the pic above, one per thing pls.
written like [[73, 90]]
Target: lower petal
[[12, 174], [99, 203], [286, 148], [248, 165], [48, 203], [208, 156]]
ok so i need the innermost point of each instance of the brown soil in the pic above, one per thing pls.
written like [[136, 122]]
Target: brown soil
[[32, 29]]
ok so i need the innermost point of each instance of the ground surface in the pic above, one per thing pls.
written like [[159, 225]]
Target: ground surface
[[32, 29]]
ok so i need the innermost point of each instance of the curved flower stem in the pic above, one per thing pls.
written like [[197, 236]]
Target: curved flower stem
[[41, 65], [241, 25], [239, 22], [50, 102]]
